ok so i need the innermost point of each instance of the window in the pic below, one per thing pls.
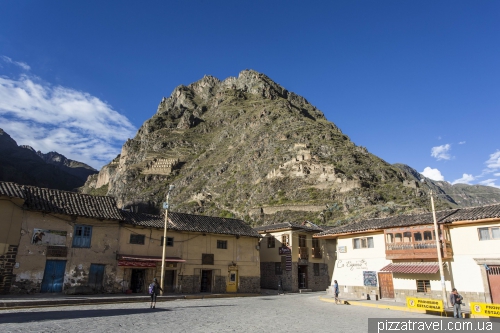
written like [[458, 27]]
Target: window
[[137, 239], [285, 240], [423, 286], [222, 244], [315, 243], [270, 241], [302, 240], [170, 241], [417, 236], [207, 259], [278, 269], [362, 243], [489, 233], [407, 237], [389, 238], [427, 235], [316, 269], [83, 235], [397, 237]]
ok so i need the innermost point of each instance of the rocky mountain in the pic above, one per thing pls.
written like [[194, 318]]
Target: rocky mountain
[[247, 147], [24, 165], [459, 195]]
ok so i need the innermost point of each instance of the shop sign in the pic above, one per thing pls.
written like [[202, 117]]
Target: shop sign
[[284, 251]]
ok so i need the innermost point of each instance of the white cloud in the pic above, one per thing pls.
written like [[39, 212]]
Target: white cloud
[[441, 152], [23, 65], [466, 179], [489, 182], [461, 143], [433, 174], [54, 118], [494, 161], [496, 174]]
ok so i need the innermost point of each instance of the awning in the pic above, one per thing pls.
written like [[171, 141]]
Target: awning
[[143, 261], [412, 268]]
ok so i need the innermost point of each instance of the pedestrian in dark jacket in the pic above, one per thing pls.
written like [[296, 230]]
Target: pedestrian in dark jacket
[[336, 291], [154, 291], [456, 301]]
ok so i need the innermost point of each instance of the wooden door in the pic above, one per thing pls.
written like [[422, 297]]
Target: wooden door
[[53, 277], [232, 284], [386, 285], [494, 282], [96, 275]]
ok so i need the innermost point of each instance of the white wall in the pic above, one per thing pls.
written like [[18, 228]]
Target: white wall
[[349, 266]]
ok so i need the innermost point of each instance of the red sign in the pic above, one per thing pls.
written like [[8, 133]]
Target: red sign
[[136, 263], [284, 250]]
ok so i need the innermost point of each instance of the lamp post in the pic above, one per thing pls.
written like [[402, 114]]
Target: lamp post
[[438, 248], [165, 206]]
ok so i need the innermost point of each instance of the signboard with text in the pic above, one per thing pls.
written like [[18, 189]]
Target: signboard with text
[[485, 309], [424, 304], [284, 251]]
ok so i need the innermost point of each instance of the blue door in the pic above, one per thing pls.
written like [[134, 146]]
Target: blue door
[[53, 277], [96, 275]]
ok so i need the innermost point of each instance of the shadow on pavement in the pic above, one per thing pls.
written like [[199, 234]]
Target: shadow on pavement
[[26, 317]]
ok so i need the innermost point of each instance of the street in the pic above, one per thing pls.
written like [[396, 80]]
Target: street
[[288, 313]]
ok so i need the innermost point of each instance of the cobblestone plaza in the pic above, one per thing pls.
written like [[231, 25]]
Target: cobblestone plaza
[[288, 313]]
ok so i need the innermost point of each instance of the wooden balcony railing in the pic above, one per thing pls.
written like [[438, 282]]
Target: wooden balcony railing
[[417, 250], [316, 252], [303, 253]]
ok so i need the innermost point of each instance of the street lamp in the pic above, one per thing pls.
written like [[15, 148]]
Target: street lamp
[[438, 248], [165, 206]]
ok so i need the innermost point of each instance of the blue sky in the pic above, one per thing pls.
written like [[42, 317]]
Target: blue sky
[[416, 82]]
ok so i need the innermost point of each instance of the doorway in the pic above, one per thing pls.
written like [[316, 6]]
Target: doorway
[[53, 276], [302, 276], [494, 282], [232, 283], [386, 285], [96, 275], [206, 281], [137, 280], [168, 283]]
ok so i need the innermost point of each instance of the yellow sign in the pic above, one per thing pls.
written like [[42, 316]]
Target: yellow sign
[[424, 304], [485, 309]]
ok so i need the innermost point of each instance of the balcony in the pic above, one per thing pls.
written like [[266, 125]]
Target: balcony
[[303, 253], [316, 252], [416, 250]]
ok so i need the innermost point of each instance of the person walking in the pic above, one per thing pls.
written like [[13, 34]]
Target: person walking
[[456, 301], [280, 287], [154, 290], [336, 291]]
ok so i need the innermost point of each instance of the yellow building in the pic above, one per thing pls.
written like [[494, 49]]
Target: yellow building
[[396, 257], [291, 256], [203, 253], [54, 241]]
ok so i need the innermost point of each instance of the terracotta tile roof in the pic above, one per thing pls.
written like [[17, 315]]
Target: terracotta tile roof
[[11, 190], [71, 203], [288, 225], [412, 268], [63, 202], [443, 216], [190, 222]]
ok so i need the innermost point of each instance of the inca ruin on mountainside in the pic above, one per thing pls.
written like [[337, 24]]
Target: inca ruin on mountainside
[[246, 147]]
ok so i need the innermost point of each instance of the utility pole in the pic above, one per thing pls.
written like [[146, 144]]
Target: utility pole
[[165, 206], [438, 248]]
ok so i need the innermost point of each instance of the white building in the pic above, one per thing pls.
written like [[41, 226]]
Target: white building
[[396, 257]]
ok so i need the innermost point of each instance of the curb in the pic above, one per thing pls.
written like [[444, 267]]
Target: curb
[[90, 301], [392, 307]]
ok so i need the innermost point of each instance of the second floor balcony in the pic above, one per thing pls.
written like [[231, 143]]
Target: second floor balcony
[[303, 253], [417, 242]]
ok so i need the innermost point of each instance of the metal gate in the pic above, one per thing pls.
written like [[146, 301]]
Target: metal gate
[[53, 277], [386, 285], [494, 282], [96, 275]]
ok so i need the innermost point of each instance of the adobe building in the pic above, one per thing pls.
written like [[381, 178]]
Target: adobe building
[[203, 253], [396, 257], [290, 254]]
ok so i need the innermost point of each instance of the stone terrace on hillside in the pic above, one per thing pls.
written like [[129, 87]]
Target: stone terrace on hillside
[[443, 216], [289, 225]]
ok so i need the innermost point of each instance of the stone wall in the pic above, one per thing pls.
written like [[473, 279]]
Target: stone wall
[[320, 282], [189, 284], [249, 284], [7, 262], [220, 285], [290, 279]]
